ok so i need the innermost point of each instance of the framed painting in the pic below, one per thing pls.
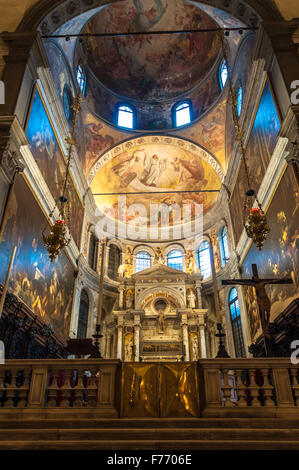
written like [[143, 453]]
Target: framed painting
[[48, 154], [259, 149], [46, 288], [280, 254]]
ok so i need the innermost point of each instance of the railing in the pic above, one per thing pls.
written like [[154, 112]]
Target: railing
[[60, 385], [92, 387], [249, 387]]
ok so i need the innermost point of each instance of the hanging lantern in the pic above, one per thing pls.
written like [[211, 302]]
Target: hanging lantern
[[255, 221], [57, 239]]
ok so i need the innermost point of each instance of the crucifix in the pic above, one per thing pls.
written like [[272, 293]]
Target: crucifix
[[263, 300]]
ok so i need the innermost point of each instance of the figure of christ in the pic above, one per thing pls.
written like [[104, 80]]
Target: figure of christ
[[161, 321], [263, 300]]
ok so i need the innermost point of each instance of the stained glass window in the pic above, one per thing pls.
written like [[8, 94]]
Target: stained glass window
[[81, 79], [182, 114], [125, 117], [143, 261], [203, 259], [175, 259], [239, 101], [83, 315], [234, 308], [223, 74], [224, 249]]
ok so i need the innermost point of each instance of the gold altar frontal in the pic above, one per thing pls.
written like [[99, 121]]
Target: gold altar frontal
[[160, 389]]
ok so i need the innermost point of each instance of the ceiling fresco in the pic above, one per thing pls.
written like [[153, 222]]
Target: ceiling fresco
[[151, 164], [151, 67]]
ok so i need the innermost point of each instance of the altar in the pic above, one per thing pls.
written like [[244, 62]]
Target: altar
[[159, 316]]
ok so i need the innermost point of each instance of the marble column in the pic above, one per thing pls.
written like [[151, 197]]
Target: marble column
[[203, 347], [186, 340], [106, 259], [198, 292], [119, 341], [137, 342], [121, 297]]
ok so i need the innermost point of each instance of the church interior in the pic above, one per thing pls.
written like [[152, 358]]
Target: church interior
[[149, 224]]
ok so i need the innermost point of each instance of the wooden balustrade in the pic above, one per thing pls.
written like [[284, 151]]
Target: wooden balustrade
[[249, 387], [79, 387]]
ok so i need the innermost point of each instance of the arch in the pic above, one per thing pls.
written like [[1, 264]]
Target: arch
[[235, 318], [203, 258], [222, 74], [114, 261], [143, 261], [54, 13], [93, 250], [182, 113], [83, 314], [223, 244], [149, 293], [125, 116], [175, 259]]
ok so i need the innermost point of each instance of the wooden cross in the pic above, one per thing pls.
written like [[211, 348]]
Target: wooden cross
[[263, 300]]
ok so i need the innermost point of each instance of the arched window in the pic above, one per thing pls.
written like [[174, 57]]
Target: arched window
[[83, 315], [182, 114], [175, 259], [125, 116], [224, 249], [81, 79], [143, 261], [234, 309], [113, 262], [204, 260], [239, 101], [93, 251], [223, 74]]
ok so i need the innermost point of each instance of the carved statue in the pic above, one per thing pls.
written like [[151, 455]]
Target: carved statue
[[190, 264], [161, 321], [159, 259], [129, 299], [121, 270], [191, 299], [129, 349], [194, 348], [128, 262]]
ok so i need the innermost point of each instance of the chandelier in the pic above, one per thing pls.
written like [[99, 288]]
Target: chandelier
[[254, 218], [59, 235]]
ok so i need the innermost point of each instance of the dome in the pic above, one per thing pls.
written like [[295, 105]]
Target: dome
[[150, 67]]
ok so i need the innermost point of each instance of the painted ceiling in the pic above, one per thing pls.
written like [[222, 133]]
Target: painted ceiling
[[154, 164], [151, 67]]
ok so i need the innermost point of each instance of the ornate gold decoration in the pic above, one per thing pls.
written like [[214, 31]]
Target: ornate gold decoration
[[254, 219], [59, 237], [190, 263], [128, 262], [256, 225], [159, 258], [216, 250]]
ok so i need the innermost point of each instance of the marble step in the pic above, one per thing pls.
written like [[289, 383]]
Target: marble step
[[156, 445], [143, 434], [149, 423]]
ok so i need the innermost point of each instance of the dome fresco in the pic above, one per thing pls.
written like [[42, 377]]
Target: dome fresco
[[151, 67], [154, 165]]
